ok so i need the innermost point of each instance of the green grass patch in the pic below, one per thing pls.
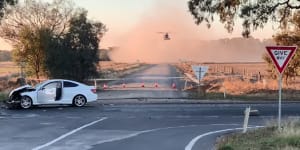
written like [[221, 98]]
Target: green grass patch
[[201, 95], [220, 96], [269, 138], [3, 96], [252, 97]]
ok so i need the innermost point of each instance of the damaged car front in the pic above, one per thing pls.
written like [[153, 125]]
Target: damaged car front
[[15, 96]]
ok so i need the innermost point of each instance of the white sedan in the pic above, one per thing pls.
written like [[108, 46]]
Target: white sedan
[[55, 91]]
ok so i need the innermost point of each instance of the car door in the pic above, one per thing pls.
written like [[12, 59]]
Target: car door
[[69, 91], [47, 93]]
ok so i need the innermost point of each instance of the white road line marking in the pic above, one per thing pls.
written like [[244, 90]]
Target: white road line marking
[[46, 123], [68, 134], [148, 131], [193, 142], [211, 116], [221, 124], [141, 132]]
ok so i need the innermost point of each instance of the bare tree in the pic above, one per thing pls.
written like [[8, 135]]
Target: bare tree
[[27, 25], [254, 13], [37, 15], [5, 3]]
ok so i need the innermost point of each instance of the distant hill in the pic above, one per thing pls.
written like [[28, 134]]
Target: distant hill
[[5, 55]]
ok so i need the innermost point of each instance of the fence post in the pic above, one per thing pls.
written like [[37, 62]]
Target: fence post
[[95, 83], [224, 92]]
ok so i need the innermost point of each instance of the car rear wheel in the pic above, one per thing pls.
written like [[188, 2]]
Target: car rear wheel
[[26, 102], [79, 101]]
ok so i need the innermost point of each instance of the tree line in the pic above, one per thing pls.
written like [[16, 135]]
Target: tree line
[[53, 39], [284, 16], [57, 40]]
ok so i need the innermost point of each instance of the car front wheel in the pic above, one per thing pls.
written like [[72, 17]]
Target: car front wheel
[[26, 102], [79, 101]]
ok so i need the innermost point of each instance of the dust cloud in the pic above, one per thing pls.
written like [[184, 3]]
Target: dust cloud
[[188, 42]]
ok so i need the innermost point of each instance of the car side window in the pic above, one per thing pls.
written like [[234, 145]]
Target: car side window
[[69, 84], [51, 85]]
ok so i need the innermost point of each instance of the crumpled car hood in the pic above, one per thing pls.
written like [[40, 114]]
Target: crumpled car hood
[[20, 88]]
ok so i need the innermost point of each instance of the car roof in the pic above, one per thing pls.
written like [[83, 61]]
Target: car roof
[[51, 80]]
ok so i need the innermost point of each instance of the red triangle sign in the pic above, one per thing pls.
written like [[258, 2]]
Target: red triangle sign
[[281, 55]]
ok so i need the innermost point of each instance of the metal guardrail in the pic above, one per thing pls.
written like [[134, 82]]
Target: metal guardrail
[[137, 78]]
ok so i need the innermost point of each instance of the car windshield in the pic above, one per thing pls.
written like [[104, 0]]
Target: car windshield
[[37, 86]]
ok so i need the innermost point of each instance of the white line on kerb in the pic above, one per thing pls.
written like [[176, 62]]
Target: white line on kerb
[[68, 134], [193, 142]]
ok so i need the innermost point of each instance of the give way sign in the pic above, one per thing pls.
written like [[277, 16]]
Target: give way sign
[[200, 71], [281, 55]]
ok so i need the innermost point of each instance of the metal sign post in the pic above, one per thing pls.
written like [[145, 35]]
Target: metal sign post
[[279, 100], [200, 71], [199, 84], [281, 55]]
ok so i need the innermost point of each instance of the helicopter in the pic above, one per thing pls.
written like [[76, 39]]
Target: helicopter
[[165, 35]]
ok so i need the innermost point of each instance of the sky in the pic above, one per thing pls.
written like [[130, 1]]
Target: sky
[[122, 16], [133, 26]]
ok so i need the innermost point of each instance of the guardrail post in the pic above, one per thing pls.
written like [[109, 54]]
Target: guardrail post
[[224, 91], [246, 119]]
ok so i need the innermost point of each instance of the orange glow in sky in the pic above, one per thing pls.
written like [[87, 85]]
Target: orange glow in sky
[[123, 17], [133, 27]]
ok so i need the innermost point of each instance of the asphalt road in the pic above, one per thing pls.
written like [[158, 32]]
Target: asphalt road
[[128, 127], [159, 75], [109, 125]]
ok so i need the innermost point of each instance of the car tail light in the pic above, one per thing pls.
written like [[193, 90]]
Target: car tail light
[[94, 90]]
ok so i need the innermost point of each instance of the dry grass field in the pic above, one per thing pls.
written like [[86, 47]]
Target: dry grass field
[[250, 79], [116, 66], [110, 69], [7, 68], [9, 72]]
